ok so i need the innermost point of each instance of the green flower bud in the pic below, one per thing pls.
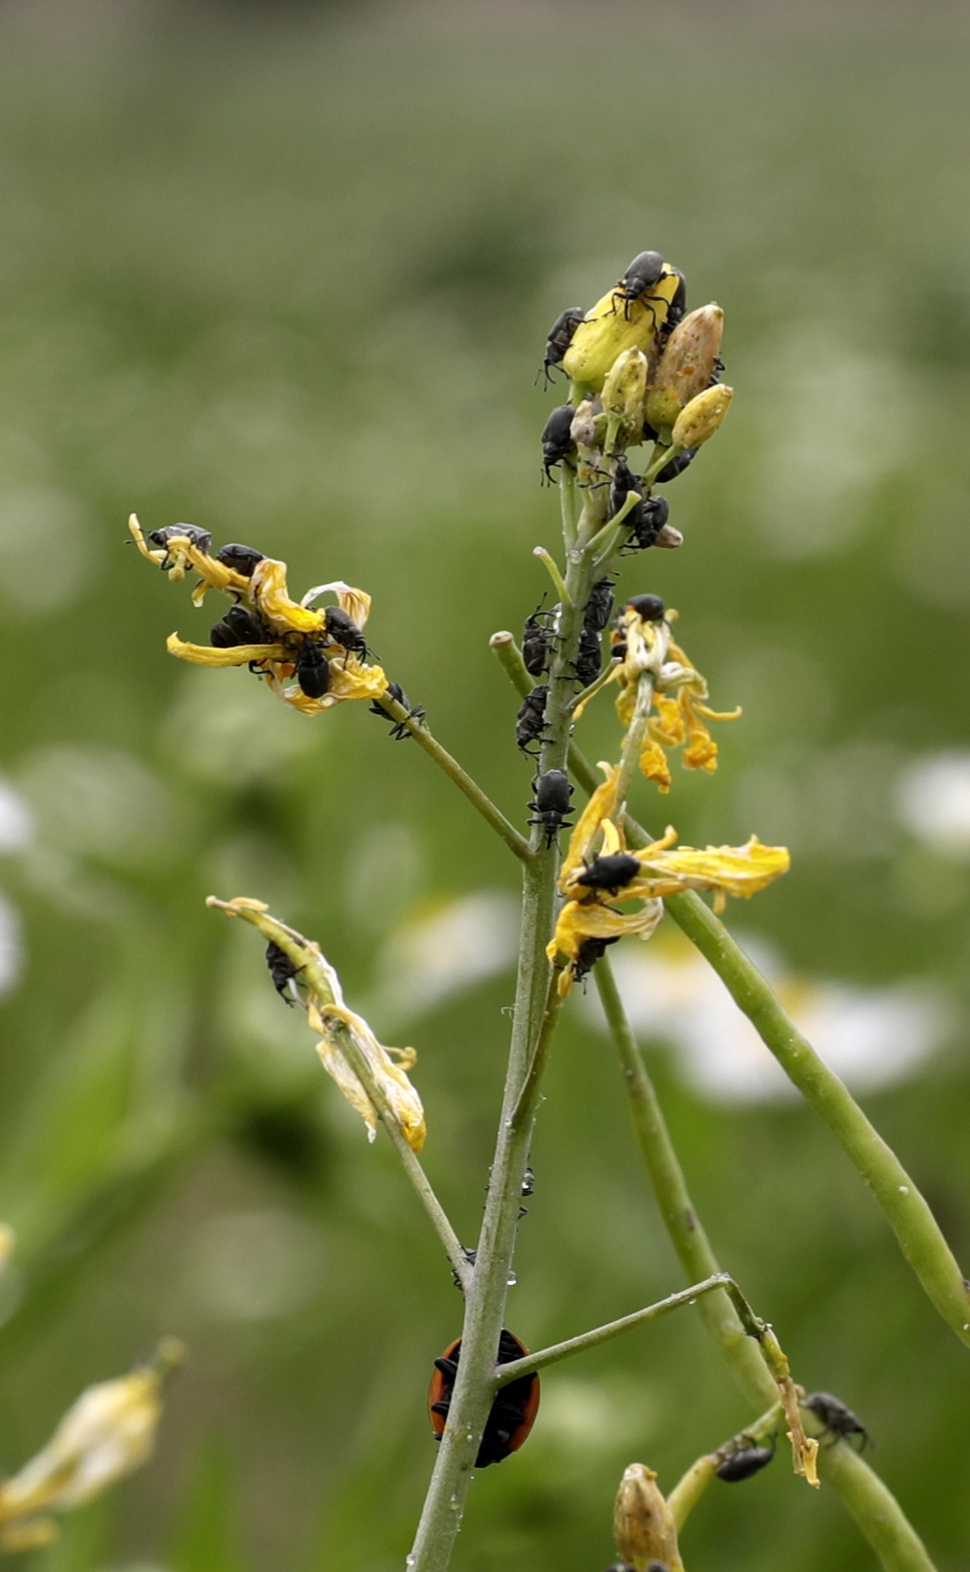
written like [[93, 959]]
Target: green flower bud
[[643, 1525], [702, 416], [626, 384], [690, 354]]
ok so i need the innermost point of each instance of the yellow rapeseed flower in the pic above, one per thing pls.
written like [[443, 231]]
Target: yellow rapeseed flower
[[290, 626], [343, 1035], [615, 325]]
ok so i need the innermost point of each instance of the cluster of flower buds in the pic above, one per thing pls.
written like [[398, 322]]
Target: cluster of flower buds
[[109, 1432], [642, 372], [280, 639]]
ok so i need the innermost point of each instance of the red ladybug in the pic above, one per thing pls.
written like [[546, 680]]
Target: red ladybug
[[512, 1414]]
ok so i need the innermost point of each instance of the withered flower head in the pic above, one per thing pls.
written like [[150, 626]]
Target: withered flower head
[[643, 1524], [266, 629], [109, 1432], [365, 1071]]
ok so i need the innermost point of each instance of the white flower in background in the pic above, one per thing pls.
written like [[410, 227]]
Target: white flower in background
[[933, 801], [16, 834], [871, 1037], [446, 949]]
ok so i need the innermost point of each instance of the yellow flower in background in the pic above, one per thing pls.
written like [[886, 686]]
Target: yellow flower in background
[[7, 1241], [109, 1432], [265, 628], [376, 1086]]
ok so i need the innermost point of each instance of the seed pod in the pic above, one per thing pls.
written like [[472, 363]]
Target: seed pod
[[690, 357], [662, 408], [643, 1525], [702, 416]]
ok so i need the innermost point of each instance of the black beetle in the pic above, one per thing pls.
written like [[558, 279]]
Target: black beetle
[[746, 1460], [644, 271], [649, 518], [650, 608], [398, 731], [677, 307], [599, 606], [676, 466], [242, 559], [840, 1422], [313, 670], [531, 718], [537, 641], [282, 971], [556, 439], [239, 626], [590, 951], [200, 538], [559, 340], [551, 803], [341, 629], [609, 873], [589, 657]]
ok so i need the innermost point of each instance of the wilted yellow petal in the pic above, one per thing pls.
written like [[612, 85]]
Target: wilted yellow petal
[[601, 805], [269, 593], [235, 655], [653, 764], [109, 1432], [581, 920], [399, 1095], [355, 602], [737, 870]]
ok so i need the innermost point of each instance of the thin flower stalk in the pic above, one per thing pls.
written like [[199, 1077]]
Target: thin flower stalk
[[376, 1086]]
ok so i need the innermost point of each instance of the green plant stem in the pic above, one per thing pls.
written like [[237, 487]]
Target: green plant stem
[[485, 806], [486, 1296], [602, 1334], [677, 1209], [690, 1487], [877, 1514], [906, 1211]]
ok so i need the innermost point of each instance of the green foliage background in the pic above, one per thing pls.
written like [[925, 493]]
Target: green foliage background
[[287, 274]]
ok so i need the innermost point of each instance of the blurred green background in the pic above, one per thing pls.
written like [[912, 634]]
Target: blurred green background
[[286, 272]]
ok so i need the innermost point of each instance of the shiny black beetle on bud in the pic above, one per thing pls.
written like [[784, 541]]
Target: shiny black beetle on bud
[[551, 803], [559, 340], [557, 442], [589, 657], [241, 559], [590, 951], [644, 271]]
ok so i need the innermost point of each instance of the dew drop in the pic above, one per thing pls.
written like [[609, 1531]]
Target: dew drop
[[904, 1189]]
